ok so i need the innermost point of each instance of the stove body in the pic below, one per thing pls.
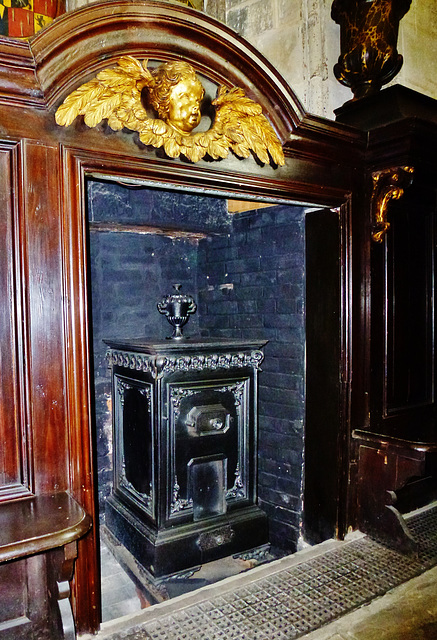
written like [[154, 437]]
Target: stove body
[[185, 451]]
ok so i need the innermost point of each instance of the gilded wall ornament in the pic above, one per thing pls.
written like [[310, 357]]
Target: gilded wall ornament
[[122, 95], [388, 184], [194, 4]]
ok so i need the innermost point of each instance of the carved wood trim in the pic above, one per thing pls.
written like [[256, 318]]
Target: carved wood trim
[[86, 583], [18, 82], [78, 163]]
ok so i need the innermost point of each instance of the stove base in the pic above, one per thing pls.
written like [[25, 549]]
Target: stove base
[[186, 546]]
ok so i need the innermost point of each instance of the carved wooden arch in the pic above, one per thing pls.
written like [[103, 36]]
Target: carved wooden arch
[[50, 166], [81, 43]]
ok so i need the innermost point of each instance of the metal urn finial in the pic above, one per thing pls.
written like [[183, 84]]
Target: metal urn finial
[[177, 307]]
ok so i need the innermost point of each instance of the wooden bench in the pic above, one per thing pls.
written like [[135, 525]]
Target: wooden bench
[[38, 547]]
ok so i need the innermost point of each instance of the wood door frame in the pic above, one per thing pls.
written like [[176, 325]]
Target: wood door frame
[[78, 165]]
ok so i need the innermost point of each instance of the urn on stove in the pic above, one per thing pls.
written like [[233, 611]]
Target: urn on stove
[[177, 307]]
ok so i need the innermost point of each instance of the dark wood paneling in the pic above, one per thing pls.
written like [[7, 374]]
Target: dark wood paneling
[[409, 317], [384, 467], [24, 599], [326, 331], [393, 412], [42, 268], [403, 320], [16, 471]]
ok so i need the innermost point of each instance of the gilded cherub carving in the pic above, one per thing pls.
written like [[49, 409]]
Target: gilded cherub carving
[[175, 93]]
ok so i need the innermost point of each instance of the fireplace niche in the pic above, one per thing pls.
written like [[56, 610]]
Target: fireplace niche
[[246, 271]]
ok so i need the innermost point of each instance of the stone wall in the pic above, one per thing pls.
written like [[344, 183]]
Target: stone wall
[[303, 43], [295, 36], [418, 45]]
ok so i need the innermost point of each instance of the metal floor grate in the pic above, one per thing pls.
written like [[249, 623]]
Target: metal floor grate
[[423, 526], [290, 603]]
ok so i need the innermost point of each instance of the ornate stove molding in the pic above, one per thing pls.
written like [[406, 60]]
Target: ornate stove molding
[[123, 386], [216, 538], [176, 397], [157, 366], [177, 394], [179, 504], [238, 491], [146, 500]]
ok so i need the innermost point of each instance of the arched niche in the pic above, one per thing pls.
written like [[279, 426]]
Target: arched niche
[[43, 184]]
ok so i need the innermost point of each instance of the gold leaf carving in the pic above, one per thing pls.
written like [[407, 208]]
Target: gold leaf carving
[[98, 111], [115, 123], [175, 93], [171, 148]]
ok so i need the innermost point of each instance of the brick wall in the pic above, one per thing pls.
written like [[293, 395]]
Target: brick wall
[[251, 284], [131, 271]]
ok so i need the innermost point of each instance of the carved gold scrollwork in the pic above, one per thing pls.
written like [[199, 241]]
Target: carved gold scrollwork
[[388, 184]]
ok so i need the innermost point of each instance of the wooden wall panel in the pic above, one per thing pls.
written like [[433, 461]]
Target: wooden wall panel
[[42, 266], [410, 313], [325, 342], [86, 584], [15, 459], [23, 596]]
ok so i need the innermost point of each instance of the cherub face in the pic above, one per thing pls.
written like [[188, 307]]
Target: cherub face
[[184, 105]]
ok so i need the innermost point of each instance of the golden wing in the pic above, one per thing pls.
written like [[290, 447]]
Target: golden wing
[[114, 94], [242, 123]]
